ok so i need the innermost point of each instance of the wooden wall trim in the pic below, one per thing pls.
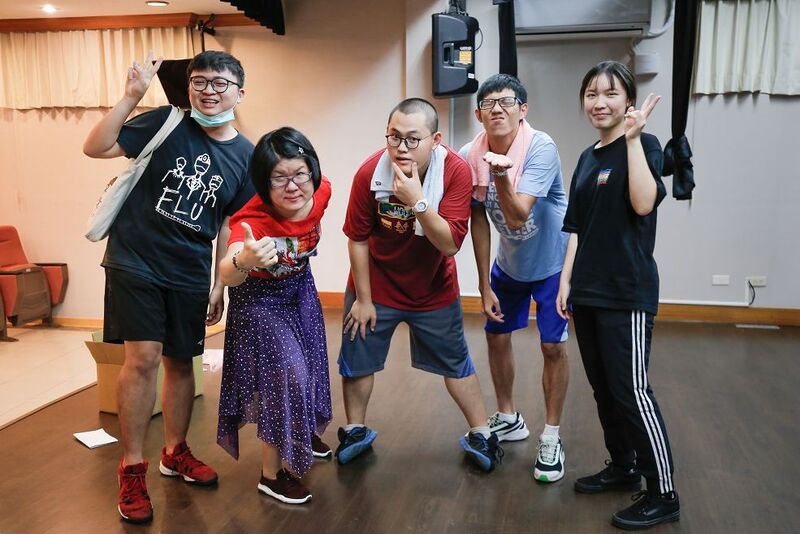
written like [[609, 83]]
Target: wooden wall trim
[[233, 19], [97, 324], [166, 20], [667, 312], [334, 300], [59, 24]]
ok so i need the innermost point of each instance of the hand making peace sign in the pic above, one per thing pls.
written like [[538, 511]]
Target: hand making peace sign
[[140, 76], [635, 119]]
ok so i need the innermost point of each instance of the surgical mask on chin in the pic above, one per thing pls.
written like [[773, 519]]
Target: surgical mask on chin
[[220, 119]]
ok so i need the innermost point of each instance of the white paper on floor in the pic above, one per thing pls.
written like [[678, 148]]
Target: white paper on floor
[[212, 360], [95, 438]]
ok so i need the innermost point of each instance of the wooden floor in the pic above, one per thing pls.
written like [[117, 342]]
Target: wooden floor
[[729, 396]]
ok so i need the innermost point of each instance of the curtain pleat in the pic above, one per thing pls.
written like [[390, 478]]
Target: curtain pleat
[[82, 69], [748, 46]]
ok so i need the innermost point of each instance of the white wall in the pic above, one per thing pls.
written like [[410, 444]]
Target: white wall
[[742, 221], [340, 69]]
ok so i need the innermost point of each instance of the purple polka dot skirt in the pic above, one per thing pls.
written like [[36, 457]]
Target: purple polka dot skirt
[[275, 369]]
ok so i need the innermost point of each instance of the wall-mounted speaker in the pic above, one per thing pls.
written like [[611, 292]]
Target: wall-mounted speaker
[[453, 47]]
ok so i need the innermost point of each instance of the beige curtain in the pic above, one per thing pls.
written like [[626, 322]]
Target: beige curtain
[[748, 46], [82, 68]]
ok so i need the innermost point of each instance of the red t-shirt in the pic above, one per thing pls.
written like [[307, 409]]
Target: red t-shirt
[[405, 270], [296, 241]]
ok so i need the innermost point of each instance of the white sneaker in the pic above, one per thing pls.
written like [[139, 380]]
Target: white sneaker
[[549, 465], [508, 431]]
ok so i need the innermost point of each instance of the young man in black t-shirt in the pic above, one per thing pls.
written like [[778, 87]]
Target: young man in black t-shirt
[[158, 257], [610, 279]]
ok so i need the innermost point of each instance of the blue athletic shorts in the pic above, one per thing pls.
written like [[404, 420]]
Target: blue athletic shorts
[[515, 301], [437, 341]]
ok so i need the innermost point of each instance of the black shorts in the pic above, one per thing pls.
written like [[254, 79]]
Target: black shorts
[[137, 309]]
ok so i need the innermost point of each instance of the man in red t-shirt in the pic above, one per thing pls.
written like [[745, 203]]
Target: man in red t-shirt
[[406, 219]]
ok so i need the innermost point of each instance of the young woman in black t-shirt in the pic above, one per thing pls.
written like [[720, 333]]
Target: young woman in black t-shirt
[[609, 285]]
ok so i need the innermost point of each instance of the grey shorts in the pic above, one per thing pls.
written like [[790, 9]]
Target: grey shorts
[[437, 341]]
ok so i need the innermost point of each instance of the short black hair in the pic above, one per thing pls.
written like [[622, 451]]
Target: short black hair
[[613, 70], [498, 82], [418, 105], [217, 61], [283, 143]]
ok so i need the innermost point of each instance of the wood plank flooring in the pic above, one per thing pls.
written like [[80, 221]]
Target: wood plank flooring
[[729, 398]]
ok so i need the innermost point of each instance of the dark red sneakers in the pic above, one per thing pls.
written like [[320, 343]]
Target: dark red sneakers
[[286, 488], [319, 448], [134, 502], [181, 463]]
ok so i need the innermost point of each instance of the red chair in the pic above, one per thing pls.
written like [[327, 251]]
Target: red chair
[[28, 290]]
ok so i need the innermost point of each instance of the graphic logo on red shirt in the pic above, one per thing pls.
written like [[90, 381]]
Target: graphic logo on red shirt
[[293, 252], [395, 216]]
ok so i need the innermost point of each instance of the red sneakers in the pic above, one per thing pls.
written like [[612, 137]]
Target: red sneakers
[[286, 488], [182, 463], [134, 502]]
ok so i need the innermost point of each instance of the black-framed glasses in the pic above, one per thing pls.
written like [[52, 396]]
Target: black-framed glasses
[[505, 102], [278, 182], [218, 84], [411, 142]]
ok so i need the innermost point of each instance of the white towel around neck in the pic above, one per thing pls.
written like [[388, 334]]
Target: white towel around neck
[[432, 185]]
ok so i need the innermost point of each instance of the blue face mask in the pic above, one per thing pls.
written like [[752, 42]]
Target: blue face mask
[[220, 119]]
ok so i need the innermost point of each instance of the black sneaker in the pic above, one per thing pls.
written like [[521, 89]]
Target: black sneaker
[[484, 452], [612, 478], [649, 509], [354, 442]]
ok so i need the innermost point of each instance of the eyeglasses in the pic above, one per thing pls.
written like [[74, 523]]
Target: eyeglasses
[[219, 85], [277, 182], [411, 142], [505, 102]]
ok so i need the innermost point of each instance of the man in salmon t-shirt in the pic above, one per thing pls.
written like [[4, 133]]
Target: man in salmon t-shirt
[[406, 219]]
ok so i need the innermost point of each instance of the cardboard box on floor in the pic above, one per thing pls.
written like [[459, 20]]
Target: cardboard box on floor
[[110, 357]]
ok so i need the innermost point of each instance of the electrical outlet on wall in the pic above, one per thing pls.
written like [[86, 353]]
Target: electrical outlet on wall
[[720, 279], [757, 281]]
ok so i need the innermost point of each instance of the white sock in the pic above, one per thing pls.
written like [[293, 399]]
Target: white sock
[[482, 430], [507, 417], [348, 428], [550, 430]]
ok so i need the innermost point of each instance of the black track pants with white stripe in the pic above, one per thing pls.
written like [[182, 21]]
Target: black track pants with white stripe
[[615, 349]]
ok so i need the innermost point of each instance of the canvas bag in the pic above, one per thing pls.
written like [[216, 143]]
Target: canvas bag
[[118, 189]]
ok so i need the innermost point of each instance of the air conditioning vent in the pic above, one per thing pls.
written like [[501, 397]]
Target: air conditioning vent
[[546, 17]]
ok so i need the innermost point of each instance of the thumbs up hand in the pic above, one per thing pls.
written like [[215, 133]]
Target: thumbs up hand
[[257, 253]]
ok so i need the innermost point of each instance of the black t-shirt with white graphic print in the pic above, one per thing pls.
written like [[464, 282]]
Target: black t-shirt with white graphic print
[[165, 229], [614, 265]]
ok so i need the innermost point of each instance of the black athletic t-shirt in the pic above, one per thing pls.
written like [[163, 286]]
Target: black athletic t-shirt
[[614, 265], [165, 229]]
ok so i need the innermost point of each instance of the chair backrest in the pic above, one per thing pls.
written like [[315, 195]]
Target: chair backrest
[[11, 251]]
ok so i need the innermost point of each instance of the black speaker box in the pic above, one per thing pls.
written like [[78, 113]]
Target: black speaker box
[[454, 54]]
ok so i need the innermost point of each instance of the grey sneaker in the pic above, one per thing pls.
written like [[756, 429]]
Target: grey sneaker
[[505, 431]]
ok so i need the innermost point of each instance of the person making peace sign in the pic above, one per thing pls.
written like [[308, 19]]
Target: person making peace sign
[[609, 286]]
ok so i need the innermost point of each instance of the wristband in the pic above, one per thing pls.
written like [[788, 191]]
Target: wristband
[[503, 173], [238, 267]]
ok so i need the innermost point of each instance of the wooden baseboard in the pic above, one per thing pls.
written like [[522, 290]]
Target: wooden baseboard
[[666, 312], [334, 300], [97, 324]]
